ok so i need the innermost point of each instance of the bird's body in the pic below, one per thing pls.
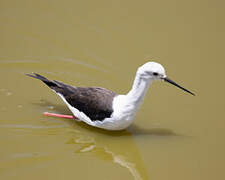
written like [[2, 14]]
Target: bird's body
[[103, 108]]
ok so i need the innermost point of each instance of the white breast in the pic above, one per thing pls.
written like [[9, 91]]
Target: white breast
[[120, 118]]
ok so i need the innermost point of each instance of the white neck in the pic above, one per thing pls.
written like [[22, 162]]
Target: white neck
[[137, 93]]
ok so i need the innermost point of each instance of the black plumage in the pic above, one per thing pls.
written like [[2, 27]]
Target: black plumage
[[95, 102]]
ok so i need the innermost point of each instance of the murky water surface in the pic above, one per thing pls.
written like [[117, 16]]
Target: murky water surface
[[101, 43]]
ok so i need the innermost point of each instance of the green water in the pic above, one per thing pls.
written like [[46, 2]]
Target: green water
[[101, 43]]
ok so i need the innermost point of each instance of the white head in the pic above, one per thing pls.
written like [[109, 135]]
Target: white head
[[152, 70], [155, 71]]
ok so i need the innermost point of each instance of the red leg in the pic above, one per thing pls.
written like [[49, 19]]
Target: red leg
[[59, 115]]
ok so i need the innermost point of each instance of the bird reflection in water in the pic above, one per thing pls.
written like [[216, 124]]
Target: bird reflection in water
[[118, 147]]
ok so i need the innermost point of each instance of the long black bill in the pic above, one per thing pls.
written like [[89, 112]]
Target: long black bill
[[175, 84]]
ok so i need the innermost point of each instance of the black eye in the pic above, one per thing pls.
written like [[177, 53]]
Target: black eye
[[155, 74]]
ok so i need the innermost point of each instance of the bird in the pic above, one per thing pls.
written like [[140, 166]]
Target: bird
[[103, 108]]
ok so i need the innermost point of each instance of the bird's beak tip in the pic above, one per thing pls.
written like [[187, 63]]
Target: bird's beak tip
[[166, 79]]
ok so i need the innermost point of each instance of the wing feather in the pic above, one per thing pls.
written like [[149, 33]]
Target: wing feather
[[95, 102]]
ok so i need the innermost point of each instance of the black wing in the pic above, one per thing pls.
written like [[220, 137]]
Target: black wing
[[95, 102]]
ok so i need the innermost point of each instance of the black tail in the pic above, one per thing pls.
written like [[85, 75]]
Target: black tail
[[49, 83]]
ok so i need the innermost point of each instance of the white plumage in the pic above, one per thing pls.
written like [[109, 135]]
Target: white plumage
[[124, 107]]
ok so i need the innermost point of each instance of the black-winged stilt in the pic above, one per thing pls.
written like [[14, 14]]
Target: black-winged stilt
[[103, 108]]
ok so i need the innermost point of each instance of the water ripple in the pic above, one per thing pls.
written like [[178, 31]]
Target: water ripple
[[30, 126]]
